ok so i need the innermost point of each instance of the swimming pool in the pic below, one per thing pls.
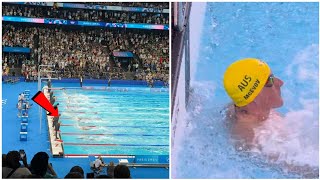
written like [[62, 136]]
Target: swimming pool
[[39, 141], [114, 121], [285, 35]]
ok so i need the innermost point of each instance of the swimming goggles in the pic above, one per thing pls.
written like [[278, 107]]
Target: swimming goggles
[[270, 81]]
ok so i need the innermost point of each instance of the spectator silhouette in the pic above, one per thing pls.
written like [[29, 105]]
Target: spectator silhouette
[[13, 167], [40, 166], [77, 169], [4, 158], [121, 172], [73, 175], [110, 169]]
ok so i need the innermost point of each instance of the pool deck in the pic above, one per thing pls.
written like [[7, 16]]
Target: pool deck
[[56, 145]]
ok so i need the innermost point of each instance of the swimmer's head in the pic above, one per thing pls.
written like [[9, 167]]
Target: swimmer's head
[[251, 79]]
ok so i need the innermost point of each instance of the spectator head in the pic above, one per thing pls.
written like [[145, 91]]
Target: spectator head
[[12, 160], [4, 159], [121, 172], [39, 163], [77, 169], [111, 163], [73, 175]]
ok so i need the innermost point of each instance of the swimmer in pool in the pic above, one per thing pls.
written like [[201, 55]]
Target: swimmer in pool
[[85, 128], [84, 121], [255, 92]]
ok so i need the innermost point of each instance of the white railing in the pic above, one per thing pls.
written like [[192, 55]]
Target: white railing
[[41, 69]]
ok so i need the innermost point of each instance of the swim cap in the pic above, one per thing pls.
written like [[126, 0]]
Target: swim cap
[[244, 79]]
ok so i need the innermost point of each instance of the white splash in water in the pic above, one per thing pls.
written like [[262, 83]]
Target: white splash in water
[[295, 137], [196, 22], [305, 64]]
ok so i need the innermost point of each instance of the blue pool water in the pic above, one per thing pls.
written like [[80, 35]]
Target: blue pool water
[[40, 141], [286, 36], [117, 121]]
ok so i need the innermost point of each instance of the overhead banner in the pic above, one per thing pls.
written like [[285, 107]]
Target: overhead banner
[[97, 7], [122, 54], [23, 19], [84, 23], [16, 49], [152, 159]]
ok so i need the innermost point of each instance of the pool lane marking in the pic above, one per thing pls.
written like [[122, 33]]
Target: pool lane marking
[[105, 119], [72, 125], [88, 144], [109, 102], [86, 134], [110, 97], [135, 108], [102, 155], [72, 118], [112, 89], [90, 112]]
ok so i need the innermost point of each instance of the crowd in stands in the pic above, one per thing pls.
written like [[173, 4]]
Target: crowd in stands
[[40, 167], [133, 4], [18, 37], [84, 14], [86, 51], [14, 60]]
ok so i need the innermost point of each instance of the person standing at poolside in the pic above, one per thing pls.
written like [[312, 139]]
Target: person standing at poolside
[[53, 100], [109, 81], [49, 84], [255, 92], [80, 81], [51, 95], [55, 120], [57, 129]]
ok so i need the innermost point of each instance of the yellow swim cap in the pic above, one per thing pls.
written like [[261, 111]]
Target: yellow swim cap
[[244, 79]]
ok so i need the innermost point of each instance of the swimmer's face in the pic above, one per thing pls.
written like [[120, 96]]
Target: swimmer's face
[[270, 95]]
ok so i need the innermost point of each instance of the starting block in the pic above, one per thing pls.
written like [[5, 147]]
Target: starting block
[[24, 127], [24, 119], [23, 136], [27, 92]]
